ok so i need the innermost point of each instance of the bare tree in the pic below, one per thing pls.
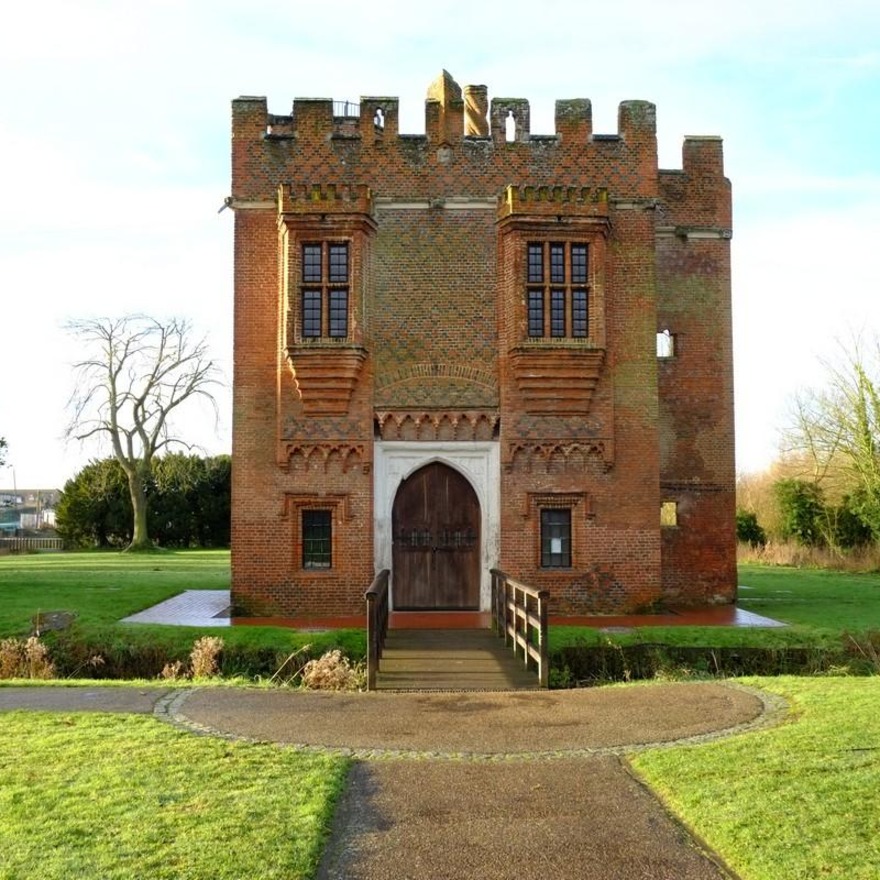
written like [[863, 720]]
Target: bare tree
[[137, 373], [3, 448]]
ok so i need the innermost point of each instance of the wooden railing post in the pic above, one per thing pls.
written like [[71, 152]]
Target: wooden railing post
[[543, 645], [377, 624], [518, 611]]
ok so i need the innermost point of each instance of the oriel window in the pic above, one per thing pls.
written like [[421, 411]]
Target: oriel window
[[557, 290], [324, 292]]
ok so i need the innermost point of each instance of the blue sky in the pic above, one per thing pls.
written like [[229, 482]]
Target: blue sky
[[114, 137]]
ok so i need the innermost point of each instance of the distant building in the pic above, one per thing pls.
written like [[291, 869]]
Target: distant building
[[478, 348], [27, 509]]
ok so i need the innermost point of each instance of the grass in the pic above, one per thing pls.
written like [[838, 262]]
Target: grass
[[818, 599], [118, 797], [818, 606], [793, 802], [102, 588]]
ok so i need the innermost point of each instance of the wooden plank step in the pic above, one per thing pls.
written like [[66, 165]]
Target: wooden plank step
[[450, 660]]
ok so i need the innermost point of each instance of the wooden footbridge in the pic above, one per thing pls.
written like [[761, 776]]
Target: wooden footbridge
[[502, 650]]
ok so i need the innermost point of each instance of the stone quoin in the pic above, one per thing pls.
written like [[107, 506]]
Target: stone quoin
[[478, 348]]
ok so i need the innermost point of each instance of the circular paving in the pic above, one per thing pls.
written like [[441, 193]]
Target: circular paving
[[474, 724]]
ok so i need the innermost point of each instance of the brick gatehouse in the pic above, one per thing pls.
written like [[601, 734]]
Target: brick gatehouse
[[474, 348]]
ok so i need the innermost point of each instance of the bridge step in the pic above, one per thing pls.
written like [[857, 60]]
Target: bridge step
[[459, 660]]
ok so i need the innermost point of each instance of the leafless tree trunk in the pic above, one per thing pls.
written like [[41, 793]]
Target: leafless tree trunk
[[138, 371]]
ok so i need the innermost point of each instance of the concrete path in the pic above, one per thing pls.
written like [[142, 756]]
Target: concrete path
[[526, 784]]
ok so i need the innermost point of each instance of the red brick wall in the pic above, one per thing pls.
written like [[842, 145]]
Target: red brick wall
[[696, 384]]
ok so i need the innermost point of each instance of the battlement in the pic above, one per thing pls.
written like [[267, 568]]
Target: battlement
[[452, 113], [472, 147], [327, 198], [553, 201]]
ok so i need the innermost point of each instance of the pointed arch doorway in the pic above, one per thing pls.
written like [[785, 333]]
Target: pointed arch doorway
[[435, 524]]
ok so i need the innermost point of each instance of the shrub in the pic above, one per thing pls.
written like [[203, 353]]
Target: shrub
[[205, 657], [802, 508], [748, 530], [333, 671], [25, 659]]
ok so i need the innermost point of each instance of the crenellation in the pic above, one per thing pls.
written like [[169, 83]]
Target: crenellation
[[703, 156], [503, 109], [574, 119], [313, 119], [324, 198], [555, 200], [379, 119], [636, 119]]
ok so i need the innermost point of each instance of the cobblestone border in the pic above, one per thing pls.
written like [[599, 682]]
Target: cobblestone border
[[170, 709]]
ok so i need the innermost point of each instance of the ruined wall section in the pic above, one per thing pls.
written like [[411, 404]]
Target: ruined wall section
[[696, 381]]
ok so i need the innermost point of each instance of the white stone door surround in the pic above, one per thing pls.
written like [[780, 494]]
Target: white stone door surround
[[479, 462]]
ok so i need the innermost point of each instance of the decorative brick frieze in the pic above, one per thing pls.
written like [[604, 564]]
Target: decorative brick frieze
[[439, 425], [554, 456], [321, 457]]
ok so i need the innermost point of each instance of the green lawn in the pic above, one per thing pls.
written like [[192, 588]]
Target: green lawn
[[102, 588], [790, 803], [818, 606], [119, 797], [819, 599]]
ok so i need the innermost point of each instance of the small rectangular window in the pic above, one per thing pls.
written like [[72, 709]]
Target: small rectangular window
[[665, 344], [669, 513], [311, 313], [557, 312], [317, 538], [556, 538], [536, 264], [536, 313], [579, 318]]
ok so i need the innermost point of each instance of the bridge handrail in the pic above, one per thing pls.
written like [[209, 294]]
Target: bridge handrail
[[519, 616], [377, 624]]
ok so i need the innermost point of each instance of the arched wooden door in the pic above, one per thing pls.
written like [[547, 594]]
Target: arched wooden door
[[436, 551]]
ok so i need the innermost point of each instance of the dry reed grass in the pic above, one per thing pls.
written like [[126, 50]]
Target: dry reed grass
[[28, 658], [858, 560], [333, 671]]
